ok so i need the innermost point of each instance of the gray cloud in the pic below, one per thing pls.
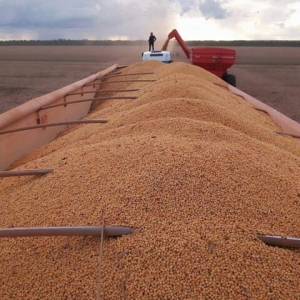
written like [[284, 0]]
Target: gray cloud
[[210, 9], [188, 6], [81, 18], [135, 19], [281, 25], [53, 14], [213, 9]]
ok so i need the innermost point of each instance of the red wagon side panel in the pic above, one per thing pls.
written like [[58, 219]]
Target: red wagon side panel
[[214, 60]]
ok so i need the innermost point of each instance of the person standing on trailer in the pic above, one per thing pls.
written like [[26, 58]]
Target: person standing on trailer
[[151, 41]]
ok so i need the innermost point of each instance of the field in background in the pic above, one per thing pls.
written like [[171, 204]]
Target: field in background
[[270, 74]]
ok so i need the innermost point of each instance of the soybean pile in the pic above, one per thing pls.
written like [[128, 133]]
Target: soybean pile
[[195, 169]]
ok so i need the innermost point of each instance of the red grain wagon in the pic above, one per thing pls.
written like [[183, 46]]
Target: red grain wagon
[[214, 60]]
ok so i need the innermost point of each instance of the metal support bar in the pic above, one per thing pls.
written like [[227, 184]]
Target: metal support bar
[[121, 67], [121, 75], [288, 134], [262, 110], [109, 231], [121, 81], [104, 91], [113, 72], [25, 172], [87, 100], [100, 260], [277, 240], [53, 124]]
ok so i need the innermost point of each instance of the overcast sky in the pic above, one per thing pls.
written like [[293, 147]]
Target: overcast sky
[[135, 19]]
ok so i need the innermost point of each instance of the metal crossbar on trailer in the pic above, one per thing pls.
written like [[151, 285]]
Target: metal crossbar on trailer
[[120, 81], [123, 75], [90, 99], [32, 172], [109, 231], [104, 91], [277, 240], [53, 124]]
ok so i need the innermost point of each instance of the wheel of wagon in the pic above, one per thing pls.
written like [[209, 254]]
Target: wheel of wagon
[[230, 79]]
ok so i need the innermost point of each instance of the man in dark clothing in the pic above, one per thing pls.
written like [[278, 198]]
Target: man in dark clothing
[[151, 41]]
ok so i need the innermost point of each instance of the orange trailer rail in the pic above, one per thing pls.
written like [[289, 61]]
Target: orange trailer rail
[[16, 144]]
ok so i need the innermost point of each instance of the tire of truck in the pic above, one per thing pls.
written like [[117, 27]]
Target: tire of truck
[[229, 78]]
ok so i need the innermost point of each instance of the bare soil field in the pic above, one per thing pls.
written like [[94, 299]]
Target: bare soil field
[[268, 74]]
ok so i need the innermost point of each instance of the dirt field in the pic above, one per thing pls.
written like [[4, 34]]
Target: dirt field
[[268, 74]]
